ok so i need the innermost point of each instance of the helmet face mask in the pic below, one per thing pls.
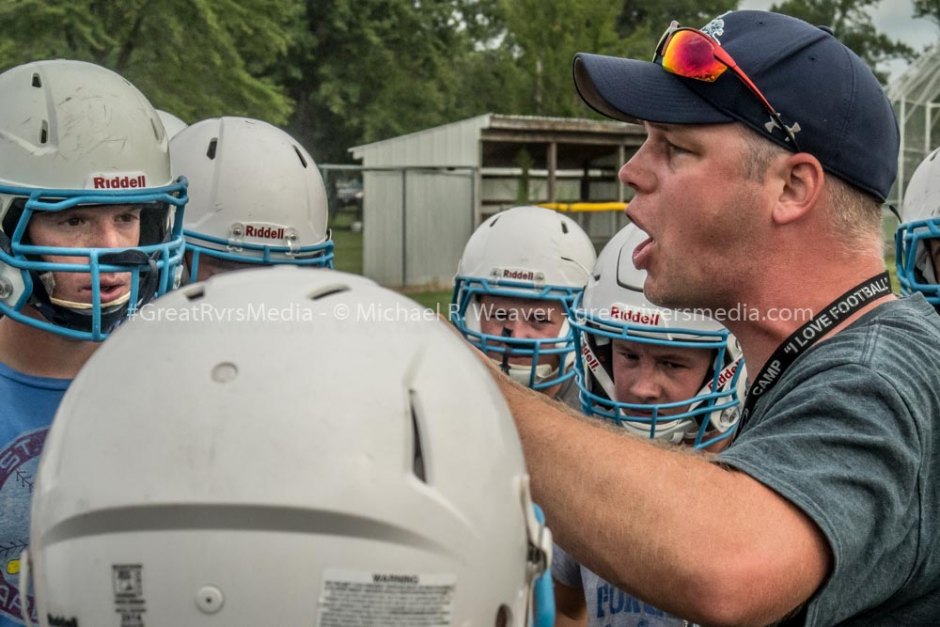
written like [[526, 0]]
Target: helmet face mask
[[701, 419], [336, 497], [107, 284], [614, 312], [535, 362], [521, 267], [256, 198], [918, 235], [62, 170]]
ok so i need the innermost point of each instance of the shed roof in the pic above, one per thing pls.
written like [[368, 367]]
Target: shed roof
[[579, 140]]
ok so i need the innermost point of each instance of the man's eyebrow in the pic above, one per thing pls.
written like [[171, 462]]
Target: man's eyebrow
[[663, 127], [679, 357]]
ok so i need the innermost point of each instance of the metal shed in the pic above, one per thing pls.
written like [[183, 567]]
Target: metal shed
[[425, 192]]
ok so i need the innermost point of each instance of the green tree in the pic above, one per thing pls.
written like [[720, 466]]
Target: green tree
[[642, 22], [194, 58], [542, 38], [929, 9], [377, 69], [850, 21]]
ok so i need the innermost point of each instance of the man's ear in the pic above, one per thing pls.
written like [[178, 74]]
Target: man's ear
[[802, 179]]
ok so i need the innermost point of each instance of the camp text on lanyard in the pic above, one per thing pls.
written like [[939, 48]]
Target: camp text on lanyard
[[810, 333]]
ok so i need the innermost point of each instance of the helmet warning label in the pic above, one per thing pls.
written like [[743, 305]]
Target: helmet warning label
[[129, 602], [386, 599]]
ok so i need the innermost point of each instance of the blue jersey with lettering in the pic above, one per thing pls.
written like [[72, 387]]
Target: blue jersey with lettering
[[27, 406], [607, 605]]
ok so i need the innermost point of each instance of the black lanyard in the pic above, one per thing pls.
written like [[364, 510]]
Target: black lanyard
[[808, 334]]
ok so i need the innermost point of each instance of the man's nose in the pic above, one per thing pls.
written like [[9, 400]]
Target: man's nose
[[645, 387]]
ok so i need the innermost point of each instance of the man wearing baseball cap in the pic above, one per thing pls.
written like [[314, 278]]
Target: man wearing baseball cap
[[770, 150]]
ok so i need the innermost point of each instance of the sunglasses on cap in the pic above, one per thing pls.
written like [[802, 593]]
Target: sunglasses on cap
[[691, 53]]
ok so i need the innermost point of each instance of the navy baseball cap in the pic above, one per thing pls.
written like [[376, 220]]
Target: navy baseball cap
[[824, 93]]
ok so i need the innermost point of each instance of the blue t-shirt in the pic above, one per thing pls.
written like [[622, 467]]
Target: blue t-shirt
[[27, 406], [607, 605], [851, 435]]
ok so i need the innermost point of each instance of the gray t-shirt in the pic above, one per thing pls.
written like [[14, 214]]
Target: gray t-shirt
[[608, 606], [850, 435]]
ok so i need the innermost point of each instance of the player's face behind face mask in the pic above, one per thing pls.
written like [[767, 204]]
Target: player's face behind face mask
[[534, 330]]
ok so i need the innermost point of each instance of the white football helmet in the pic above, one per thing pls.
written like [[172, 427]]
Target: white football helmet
[[171, 123], [254, 486], [614, 308], [530, 253], [256, 196], [77, 134], [920, 220]]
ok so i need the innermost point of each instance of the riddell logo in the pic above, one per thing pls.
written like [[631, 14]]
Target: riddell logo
[[516, 274], [265, 232], [725, 375], [61, 621], [589, 357], [628, 314], [131, 181]]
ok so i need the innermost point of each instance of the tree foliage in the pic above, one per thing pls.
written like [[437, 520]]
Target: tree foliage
[[851, 22], [641, 23], [929, 9], [377, 69], [337, 73], [194, 58], [543, 37]]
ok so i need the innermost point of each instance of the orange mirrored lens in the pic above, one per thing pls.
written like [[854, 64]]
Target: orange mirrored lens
[[690, 54]]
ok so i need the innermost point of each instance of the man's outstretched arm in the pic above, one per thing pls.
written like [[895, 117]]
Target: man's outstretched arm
[[670, 526]]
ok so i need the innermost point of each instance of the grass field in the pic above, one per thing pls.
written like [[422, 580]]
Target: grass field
[[348, 258], [348, 244]]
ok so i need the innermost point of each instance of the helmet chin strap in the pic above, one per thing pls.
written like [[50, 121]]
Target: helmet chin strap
[[79, 316], [721, 420], [70, 304], [600, 375], [48, 282], [523, 374]]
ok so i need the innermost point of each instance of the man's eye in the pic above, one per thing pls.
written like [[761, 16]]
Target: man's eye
[[673, 150], [74, 221]]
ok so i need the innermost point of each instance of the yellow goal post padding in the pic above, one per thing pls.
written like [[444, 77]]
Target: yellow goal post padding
[[576, 207]]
